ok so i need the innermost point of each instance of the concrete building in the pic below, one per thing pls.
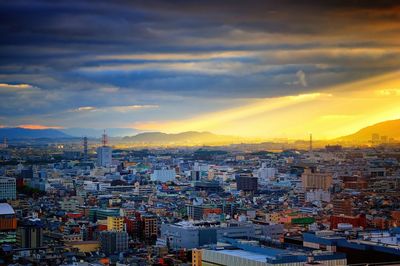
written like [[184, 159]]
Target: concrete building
[[343, 207], [163, 175], [315, 180], [317, 195], [115, 223], [247, 183], [113, 242], [71, 204], [194, 235], [363, 247], [265, 174], [8, 188], [104, 156], [245, 253], [149, 226], [30, 233]]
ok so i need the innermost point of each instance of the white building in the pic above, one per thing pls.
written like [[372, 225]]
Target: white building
[[104, 156], [8, 188], [318, 195], [163, 175], [265, 174]]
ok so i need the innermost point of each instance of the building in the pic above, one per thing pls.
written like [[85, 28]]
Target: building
[[71, 204], [8, 224], [149, 226], [30, 233], [142, 226], [198, 234], [205, 211], [362, 247], [343, 207], [353, 221], [317, 195], [195, 175], [115, 223], [208, 186], [8, 188], [187, 235], [196, 257], [112, 242], [314, 180], [163, 175], [265, 174], [247, 183], [102, 214], [238, 252], [104, 156]]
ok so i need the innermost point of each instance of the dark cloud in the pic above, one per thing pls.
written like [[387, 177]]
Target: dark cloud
[[71, 51]]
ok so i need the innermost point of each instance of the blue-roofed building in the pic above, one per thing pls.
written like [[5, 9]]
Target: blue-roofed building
[[360, 247], [238, 252]]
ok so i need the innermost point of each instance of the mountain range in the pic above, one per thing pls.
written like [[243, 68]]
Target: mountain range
[[189, 137], [25, 133], [96, 133], [390, 128]]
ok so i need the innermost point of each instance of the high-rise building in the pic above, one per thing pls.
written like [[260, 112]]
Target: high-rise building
[[104, 156], [150, 228], [315, 180], [30, 233], [113, 242], [104, 153], [115, 223], [343, 207], [8, 188], [195, 175]]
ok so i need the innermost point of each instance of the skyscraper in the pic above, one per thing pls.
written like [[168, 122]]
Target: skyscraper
[[104, 153]]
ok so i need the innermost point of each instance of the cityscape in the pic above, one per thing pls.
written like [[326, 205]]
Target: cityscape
[[199, 133]]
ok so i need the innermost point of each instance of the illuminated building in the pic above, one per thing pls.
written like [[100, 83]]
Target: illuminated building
[[314, 180], [115, 223]]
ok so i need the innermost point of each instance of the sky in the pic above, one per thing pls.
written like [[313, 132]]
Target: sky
[[246, 68]]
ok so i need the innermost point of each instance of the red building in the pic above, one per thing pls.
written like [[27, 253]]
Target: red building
[[355, 221]]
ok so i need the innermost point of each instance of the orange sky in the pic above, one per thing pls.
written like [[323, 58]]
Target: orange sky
[[327, 113]]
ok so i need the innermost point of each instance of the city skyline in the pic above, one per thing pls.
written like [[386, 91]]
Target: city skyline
[[258, 69]]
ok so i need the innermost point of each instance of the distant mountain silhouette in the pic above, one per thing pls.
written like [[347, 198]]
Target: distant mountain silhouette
[[390, 128], [96, 133], [24, 133], [184, 137]]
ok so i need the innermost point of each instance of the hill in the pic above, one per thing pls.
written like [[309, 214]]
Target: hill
[[24, 133], [390, 128], [96, 133], [189, 137]]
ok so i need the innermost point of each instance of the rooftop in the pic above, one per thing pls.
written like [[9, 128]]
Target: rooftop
[[5, 209]]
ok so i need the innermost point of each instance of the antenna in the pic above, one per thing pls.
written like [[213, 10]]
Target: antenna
[[104, 139], [310, 142]]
